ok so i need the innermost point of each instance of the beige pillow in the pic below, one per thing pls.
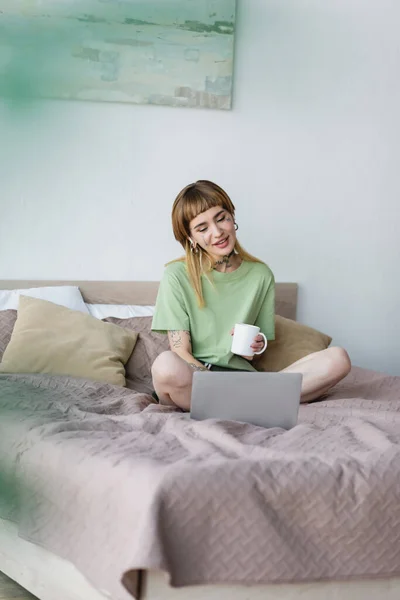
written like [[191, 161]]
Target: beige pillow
[[292, 342], [149, 345], [48, 338]]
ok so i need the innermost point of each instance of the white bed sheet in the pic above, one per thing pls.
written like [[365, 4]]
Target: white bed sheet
[[119, 311]]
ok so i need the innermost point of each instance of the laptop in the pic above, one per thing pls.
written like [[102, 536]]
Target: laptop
[[264, 399]]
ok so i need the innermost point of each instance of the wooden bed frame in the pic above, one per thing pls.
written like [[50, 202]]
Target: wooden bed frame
[[50, 577]]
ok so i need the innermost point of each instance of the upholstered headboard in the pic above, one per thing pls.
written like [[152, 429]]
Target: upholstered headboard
[[145, 292]]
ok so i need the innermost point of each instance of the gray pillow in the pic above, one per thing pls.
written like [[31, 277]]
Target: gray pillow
[[7, 322], [148, 346]]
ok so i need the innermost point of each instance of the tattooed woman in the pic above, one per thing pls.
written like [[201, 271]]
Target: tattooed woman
[[215, 285]]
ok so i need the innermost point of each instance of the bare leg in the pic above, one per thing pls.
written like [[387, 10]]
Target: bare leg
[[172, 380], [321, 371]]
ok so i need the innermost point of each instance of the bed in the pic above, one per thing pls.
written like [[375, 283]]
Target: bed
[[364, 409]]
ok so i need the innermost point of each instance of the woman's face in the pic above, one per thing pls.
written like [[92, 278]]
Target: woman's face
[[214, 231]]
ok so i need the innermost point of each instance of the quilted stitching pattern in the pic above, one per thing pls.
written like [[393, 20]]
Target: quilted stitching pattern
[[115, 483]]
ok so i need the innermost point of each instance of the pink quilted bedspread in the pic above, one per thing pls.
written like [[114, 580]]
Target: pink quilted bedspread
[[113, 483]]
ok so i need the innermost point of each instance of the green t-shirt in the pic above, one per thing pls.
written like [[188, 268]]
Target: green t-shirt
[[246, 295]]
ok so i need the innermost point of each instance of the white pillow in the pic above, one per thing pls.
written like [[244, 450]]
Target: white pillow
[[65, 295], [120, 311]]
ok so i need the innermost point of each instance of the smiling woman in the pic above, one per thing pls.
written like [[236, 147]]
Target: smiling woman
[[217, 226], [214, 286], [203, 222]]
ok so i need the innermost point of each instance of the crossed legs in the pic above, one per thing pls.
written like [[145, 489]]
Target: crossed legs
[[321, 371], [172, 376], [172, 380]]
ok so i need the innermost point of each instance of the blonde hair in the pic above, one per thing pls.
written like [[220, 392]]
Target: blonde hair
[[194, 199]]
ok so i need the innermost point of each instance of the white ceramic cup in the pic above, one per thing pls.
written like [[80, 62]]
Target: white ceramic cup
[[243, 338]]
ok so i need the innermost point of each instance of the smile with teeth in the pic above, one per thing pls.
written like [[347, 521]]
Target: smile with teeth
[[222, 243]]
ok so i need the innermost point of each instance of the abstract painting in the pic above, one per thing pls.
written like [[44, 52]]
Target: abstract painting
[[170, 52]]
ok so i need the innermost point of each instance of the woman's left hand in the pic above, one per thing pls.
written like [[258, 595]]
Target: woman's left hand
[[256, 346], [258, 343]]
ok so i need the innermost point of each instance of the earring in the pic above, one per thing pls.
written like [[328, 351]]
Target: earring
[[193, 248], [236, 226]]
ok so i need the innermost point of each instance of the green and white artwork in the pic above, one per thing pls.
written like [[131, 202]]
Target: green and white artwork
[[171, 52]]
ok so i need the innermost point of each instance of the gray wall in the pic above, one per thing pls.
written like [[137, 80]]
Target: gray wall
[[309, 155]]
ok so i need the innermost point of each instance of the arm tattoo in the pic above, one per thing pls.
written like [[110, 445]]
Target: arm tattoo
[[176, 338], [197, 367]]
